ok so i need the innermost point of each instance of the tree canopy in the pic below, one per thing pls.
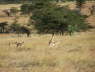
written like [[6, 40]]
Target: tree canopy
[[50, 18]]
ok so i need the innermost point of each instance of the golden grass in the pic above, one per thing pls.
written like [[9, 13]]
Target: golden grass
[[72, 54], [7, 6], [10, 20]]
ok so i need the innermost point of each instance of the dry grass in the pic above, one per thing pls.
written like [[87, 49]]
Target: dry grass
[[7, 6], [72, 54]]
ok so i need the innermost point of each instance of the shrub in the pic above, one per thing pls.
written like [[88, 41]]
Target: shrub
[[3, 26], [26, 30], [17, 28]]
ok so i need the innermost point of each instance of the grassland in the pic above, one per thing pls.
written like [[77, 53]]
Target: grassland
[[74, 53], [70, 54]]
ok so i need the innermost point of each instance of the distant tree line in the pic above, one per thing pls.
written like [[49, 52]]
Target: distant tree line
[[23, 1], [14, 1]]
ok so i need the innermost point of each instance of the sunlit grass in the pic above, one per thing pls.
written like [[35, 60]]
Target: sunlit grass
[[73, 52]]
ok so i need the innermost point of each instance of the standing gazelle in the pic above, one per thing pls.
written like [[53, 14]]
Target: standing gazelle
[[19, 44], [53, 43]]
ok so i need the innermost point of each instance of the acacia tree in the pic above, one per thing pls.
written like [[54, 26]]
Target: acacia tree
[[52, 19]]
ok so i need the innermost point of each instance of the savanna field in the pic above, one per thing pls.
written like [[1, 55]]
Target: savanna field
[[74, 53]]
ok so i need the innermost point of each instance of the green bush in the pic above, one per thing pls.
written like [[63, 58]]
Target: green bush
[[17, 28], [3, 26]]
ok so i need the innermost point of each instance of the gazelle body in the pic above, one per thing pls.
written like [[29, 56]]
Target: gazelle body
[[19, 44], [52, 44]]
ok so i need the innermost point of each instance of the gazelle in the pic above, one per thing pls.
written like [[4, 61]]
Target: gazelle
[[53, 43], [19, 44]]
